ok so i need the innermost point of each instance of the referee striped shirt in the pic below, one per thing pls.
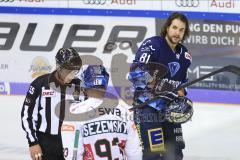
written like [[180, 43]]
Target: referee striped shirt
[[44, 106]]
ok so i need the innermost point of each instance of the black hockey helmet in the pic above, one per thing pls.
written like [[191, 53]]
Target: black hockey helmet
[[68, 58]]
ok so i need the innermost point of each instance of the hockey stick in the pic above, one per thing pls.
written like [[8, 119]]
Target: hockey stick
[[230, 68]]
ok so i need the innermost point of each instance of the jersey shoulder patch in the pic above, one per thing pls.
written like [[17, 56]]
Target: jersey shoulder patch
[[188, 56]]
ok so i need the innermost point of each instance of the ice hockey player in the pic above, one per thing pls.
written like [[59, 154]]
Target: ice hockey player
[[162, 139], [107, 132]]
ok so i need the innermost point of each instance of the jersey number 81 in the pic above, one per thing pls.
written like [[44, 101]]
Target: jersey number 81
[[144, 58]]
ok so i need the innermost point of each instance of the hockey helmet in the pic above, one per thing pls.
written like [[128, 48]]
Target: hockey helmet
[[95, 76], [142, 74], [68, 58]]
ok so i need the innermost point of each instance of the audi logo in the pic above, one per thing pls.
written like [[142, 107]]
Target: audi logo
[[6, 0], [187, 3], [99, 2]]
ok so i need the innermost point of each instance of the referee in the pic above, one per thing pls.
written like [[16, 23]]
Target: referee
[[40, 119]]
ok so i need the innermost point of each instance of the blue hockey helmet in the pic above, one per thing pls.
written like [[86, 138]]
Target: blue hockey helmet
[[142, 74], [95, 76]]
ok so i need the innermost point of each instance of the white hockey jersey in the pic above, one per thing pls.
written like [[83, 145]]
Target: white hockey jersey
[[109, 133], [68, 131]]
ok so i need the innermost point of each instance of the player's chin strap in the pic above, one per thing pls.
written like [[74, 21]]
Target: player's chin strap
[[230, 68]]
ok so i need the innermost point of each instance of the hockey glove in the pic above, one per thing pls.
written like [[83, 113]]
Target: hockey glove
[[179, 111]]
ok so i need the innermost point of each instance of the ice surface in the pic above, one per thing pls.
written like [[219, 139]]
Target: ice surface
[[213, 133]]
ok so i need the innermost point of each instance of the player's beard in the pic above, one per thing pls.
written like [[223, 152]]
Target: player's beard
[[174, 40]]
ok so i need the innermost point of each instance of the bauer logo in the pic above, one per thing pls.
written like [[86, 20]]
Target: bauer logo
[[40, 65], [4, 88]]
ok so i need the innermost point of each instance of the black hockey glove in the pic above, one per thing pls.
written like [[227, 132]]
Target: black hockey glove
[[179, 111]]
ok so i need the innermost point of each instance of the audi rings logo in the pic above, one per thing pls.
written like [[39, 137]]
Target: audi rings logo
[[98, 2], [6, 0], [187, 3]]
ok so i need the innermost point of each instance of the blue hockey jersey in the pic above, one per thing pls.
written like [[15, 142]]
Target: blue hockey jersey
[[157, 50]]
